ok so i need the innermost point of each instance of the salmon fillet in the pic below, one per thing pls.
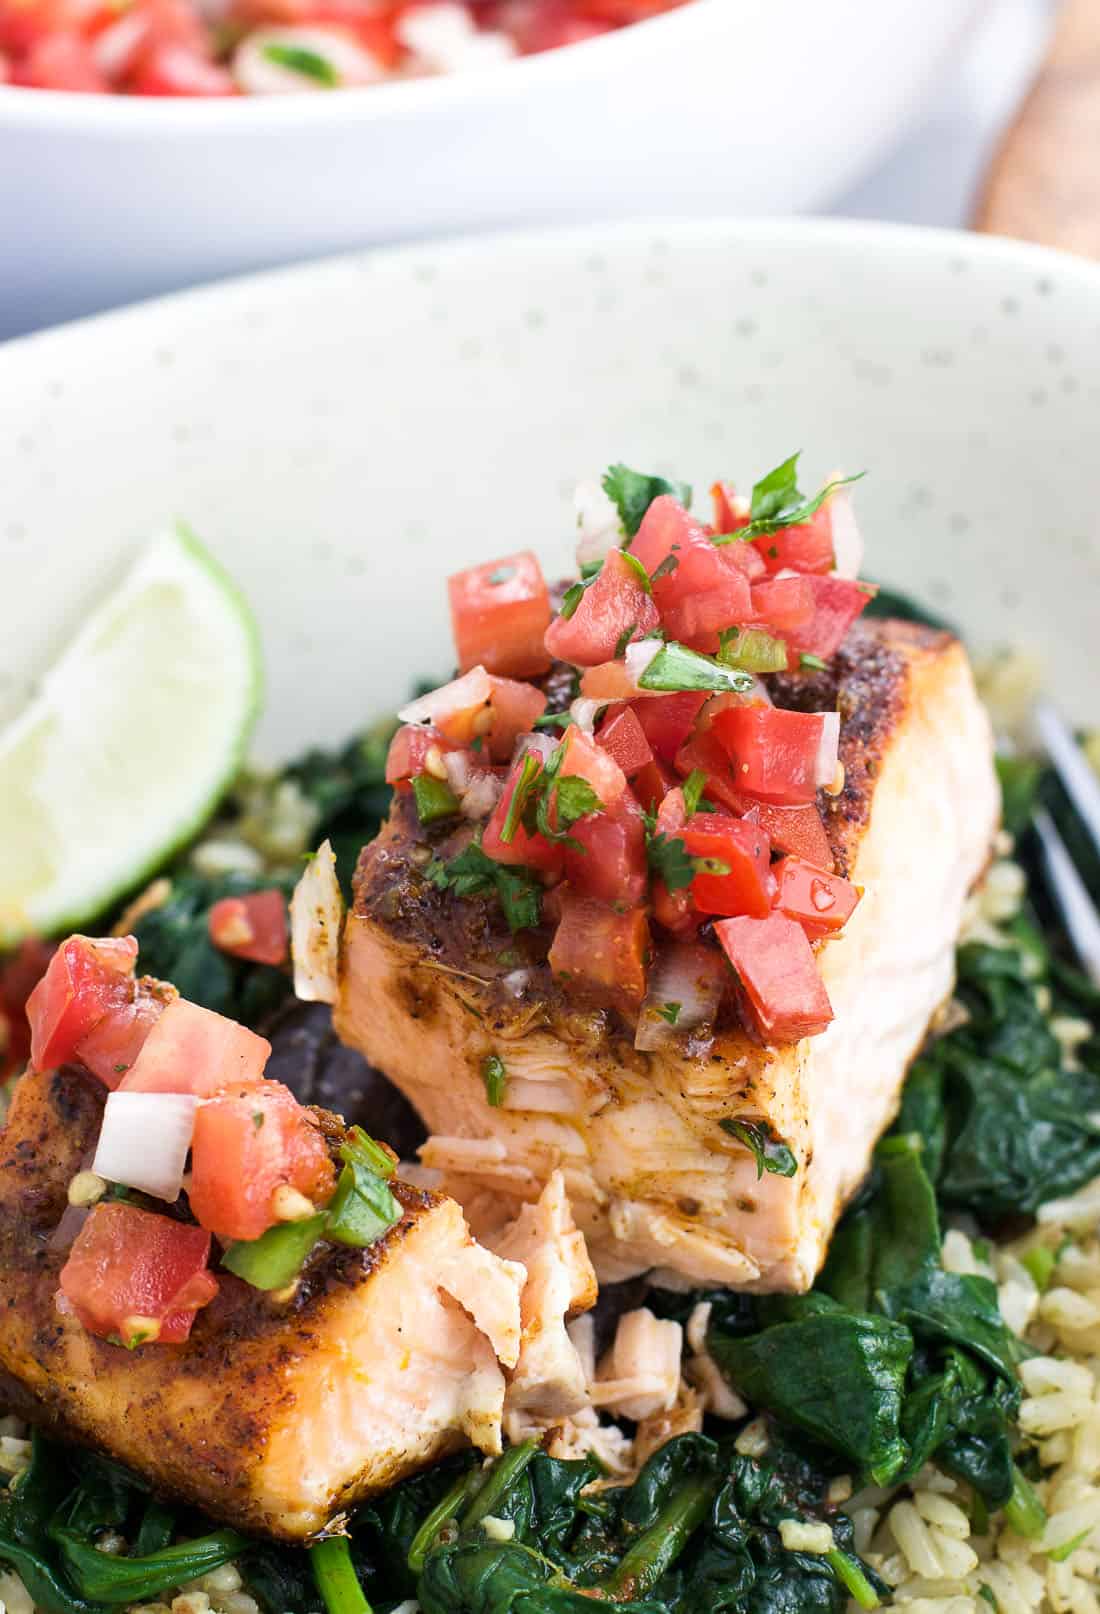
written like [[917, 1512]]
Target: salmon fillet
[[430, 987], [277, 1414]]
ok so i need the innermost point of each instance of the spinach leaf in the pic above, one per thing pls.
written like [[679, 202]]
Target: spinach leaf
[[838, 1375]]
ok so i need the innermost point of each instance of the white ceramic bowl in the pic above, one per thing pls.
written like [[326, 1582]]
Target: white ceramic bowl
[[346, 433], [727, 105]]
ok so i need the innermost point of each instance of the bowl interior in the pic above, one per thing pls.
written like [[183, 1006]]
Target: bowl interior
[[345, 434]]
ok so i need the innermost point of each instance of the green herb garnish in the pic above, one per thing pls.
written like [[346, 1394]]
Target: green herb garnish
[[307, 62], [693, 787], [632, 493], [472, 874], [434, 799], [676, 668], [770, 1153], [495, 1077]]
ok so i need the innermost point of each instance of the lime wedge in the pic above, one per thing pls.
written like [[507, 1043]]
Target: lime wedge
[[134, 736]]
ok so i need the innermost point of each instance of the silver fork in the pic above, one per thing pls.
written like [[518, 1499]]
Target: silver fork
[[1078, 910]]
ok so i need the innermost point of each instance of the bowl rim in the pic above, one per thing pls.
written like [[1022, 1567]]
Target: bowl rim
[[861, 236], [26, 108]]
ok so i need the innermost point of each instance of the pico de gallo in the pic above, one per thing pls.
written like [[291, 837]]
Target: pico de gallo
[[204, 1165], [263, 47], [641, 796]]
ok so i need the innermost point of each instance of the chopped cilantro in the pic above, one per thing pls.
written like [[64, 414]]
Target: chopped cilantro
[[307, 62], [570, 600], [669, 858], [639, 571], [815, 663], [669, 1012], [495, 1077], [258, 1119], [473, 874], [521, 795], [777, 502], [693, 787], [554, 720], [770, 1153], [623, 640], [667, 566], [632, 493]]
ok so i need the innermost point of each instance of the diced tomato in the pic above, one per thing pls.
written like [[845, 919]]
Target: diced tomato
[[409, 749], [821, 902], [194, 1050], [583, 759], [790, 829], [673, 909], [63, 61], [515, 707], [774, 752], [614, 610], [500, 613], [112, 1046], [667, 720], [622, 735], [612, 865], [532, 851], [20, 973], [698, 593], [775, 963], [837, 602], [85, 978], [652, 784], [783, 603], [131, 1273], [252, 926], [731, 511], [743, 558], [609, 682], [170, 69], [666, 532], [729, 700], [596, 947], [248, 1142], [807, 547], [744, 849]]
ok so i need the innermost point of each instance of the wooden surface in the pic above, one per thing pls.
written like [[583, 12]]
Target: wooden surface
[[1044, 183]]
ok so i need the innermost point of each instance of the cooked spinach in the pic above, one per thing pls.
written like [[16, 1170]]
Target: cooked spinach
[[348, 787], [51, 1517], [890, 1360], [175, 945], [1009, 1124]]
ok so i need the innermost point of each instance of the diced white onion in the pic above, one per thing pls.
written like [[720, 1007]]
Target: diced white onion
[[517, 982], [543, 745], [828, 750], [481, 795], [688, 974], [639, 655], [584, 712], [462, 694], [445, 39], [599, 528], [459, 768], [257, 74], [847, 538], [316, 917], [144, 1140]]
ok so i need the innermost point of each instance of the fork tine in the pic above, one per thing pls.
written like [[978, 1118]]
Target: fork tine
[[1072, 766], [1078, 910]]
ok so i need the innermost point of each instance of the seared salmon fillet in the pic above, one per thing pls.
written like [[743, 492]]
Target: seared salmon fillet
[[277, 1413], [430, 987]]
